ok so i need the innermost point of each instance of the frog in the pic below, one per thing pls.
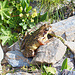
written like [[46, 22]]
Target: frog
[[36, 39]]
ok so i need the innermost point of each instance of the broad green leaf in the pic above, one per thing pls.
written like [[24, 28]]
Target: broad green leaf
[[23, 4], [27, 3], [28, 9], [4, 39], [43, 17], [25, 26], [21, 24], [51, 70], [64, 64]]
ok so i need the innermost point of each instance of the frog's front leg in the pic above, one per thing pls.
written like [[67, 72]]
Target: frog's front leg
[[43, 40]]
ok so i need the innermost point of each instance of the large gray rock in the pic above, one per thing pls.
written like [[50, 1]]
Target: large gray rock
[[16, 59], [71, 45], [50, 53], [65, 28]]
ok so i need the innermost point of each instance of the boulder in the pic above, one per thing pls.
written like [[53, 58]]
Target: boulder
[[50, 53], [16, 59], [65, 28]]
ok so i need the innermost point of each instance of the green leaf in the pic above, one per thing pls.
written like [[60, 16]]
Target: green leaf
[[27, 3], [14, 21], [21, 24], [4, 10], [4, 32], [5, 3], [51, 70], [25, 26], [4, 39], [64, 65], [1, 22], [23, 4], [44, 73], [28, 9], [7, 37], [31, 25], [43, 17]]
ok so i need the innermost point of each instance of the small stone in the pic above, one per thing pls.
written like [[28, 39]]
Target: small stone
[[16, 59], [50, 53]]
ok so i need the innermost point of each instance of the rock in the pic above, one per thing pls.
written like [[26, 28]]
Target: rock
[[66, 72], [15, 46], [1, 57], [23, 73], [1, 54], [59, 64], [16, 59], [70, 45], [65, 28], [50, 53]]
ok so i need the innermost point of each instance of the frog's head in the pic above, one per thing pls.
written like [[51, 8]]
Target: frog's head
[[46, 29], [43, 31]]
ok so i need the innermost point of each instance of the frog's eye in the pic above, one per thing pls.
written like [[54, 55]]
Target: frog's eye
[[46, 29]]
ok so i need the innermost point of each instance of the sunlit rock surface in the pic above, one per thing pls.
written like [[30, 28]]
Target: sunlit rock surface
[[50, 53]]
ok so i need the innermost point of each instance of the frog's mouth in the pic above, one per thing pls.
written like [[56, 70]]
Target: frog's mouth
[[44, 39], [47, 30], [47, 34]]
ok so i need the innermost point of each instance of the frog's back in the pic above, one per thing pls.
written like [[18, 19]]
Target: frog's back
[[31, 41]]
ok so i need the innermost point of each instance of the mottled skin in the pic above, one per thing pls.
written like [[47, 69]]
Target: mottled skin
[[39, 37]]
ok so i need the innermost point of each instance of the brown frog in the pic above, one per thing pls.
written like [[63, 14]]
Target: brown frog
[[33, 41]]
